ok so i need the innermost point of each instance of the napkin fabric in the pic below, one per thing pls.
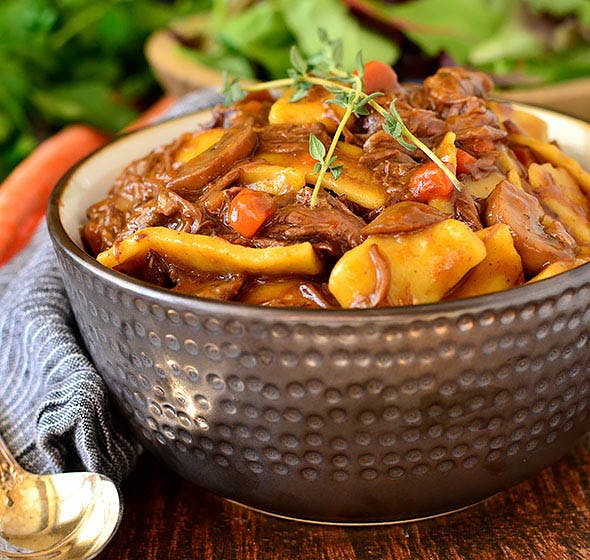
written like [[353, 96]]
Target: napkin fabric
[[55, 413]]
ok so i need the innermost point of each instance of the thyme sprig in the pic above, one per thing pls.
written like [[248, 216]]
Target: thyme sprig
[[317, 151], [324, 69]]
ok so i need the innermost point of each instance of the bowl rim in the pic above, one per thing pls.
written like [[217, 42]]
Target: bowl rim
[[540, 290]]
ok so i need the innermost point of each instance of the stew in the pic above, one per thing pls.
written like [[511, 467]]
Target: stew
[[226, 212]]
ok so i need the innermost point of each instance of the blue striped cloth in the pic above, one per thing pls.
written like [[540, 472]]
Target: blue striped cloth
[[55, 413]]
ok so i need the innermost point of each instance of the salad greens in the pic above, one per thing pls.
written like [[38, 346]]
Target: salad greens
[[520, 42], [74, 60], [255, 41]]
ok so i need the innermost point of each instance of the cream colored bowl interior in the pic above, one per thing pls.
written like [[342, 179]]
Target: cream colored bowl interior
[[92, 180]]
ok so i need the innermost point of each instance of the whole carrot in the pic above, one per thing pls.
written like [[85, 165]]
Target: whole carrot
[[155, 111], [24, 193]]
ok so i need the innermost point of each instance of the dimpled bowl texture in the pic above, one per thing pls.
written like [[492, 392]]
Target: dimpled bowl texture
[[348, 416]]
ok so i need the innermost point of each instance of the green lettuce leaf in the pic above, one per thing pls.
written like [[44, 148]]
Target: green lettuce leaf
[[515, 39], [304, 17], [455, 27], [548, 68], [261, 35]]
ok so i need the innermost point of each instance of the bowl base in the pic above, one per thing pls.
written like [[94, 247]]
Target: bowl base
[[355, 523]]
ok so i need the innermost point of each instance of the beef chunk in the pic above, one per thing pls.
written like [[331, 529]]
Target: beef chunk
[[165, 209], [224, 288], [452, 85], [467, 210], [476, 127], [105, 220], [379, 147], [424, 123], [396, 177], [291, 138], [330, 225]]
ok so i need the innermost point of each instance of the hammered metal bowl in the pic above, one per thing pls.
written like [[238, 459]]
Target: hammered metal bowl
[[343, 416]]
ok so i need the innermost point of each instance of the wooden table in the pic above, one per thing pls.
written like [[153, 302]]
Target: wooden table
[[545, 518]]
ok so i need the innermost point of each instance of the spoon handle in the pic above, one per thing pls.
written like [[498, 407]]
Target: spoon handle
[[10, 471]]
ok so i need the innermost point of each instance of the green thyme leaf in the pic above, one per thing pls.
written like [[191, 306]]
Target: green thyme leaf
[[329, 57], [360, 107], [336, 170], [337, 53], [301, 90], [359, 65], [317, 167], [297, 60], [393, 110], [394, 126], [316, 148], [339, 102], [394, 130], [232, 91]]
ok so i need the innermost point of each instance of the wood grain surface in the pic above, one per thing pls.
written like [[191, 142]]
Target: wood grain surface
[[545, 518]]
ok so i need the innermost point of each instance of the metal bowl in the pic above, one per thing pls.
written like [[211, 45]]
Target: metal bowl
[[348, 416]]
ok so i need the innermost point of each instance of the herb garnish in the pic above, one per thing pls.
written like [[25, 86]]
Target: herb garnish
[[325, 69]]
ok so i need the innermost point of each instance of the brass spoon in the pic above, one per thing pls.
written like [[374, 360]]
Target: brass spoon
[[70, 515]]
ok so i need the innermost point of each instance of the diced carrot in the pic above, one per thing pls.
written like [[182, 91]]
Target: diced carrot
[[249, 210], [428, 182], [24, 193], [379, 77], [464, 160]]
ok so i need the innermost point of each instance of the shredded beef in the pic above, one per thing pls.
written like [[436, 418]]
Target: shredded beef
[[224, 288], [482, 166], [166, 209], [136, 185], [379, 147], [476, 127], [424, 123], [451, 85], [330, 225], [395, 176], [466, 209], [290, 138]]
